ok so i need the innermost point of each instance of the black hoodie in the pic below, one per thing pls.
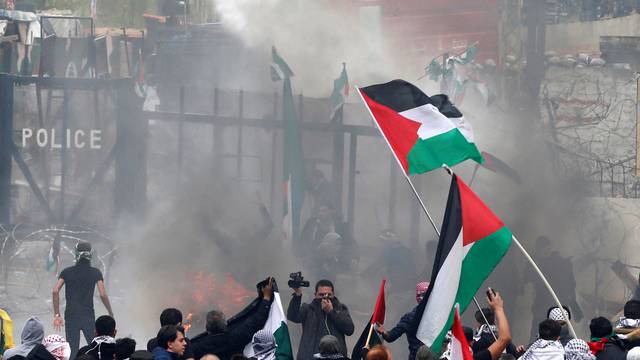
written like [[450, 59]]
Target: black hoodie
[[227, 343]]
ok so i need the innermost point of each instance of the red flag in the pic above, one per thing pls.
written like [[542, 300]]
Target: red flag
[[379, 310], [459, 346]]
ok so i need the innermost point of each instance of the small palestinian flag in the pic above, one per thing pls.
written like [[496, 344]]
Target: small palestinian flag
[[472, 242], [500, 167], [53, 259], [358, 352], [424, 132], [340, 91], [459, 346], [279, 68]]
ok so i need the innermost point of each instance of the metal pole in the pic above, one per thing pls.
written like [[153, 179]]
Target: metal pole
[[475, 301], [353, 145], [63, 151], [239, 160], [180, 132]]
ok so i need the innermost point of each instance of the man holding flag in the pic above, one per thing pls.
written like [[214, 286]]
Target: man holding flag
[[404, 325]]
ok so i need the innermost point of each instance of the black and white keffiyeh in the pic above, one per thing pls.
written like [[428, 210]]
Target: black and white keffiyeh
[[544, 350], [578, 349]]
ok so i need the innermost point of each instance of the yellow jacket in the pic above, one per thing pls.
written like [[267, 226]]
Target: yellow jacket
[[6, 332]]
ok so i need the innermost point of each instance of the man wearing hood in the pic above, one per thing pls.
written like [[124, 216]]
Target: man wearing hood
[[103, 345], [31, 347], [329, 349], [264, 345], [326, 315]]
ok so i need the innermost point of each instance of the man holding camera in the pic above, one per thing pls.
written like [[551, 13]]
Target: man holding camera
[[325, 315]]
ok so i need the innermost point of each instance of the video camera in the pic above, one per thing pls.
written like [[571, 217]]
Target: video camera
[[297, 280]]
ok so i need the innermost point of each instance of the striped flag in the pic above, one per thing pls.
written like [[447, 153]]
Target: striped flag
[[340, 91], [460, 349], [472, 242], [424, 132]]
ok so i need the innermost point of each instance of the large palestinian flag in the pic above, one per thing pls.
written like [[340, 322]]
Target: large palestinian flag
[[472, 242], [277, 325], [424, 132]]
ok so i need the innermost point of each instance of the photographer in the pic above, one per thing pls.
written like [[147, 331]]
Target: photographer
[[324, 316]]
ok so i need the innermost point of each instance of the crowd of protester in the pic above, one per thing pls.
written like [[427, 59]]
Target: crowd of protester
[[326, 323]]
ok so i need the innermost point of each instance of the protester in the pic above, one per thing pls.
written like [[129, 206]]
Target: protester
[[171, 343], [578, 349], [559, 271], [30, 347], [404, 326], [425, 353], [604, 344], [212, 357], [494, 351], [264, 345], [379, 352], [314, 234], [633, 354], [325, 315], [329, 348], [486, 334], [629, 322], [57, 346], [395, 262], [6, 332], [559, 315], [224, 342], [125, 347], [172, 316], [548, 346], [81, 280], [141, 355], [103, 345]]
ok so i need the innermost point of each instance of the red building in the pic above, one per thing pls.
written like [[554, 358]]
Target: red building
[[418, 30]]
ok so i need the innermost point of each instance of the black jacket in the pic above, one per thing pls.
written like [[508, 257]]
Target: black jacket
[[104, 351], [613, 350], [404, 326], [316, 324], [231, 342]]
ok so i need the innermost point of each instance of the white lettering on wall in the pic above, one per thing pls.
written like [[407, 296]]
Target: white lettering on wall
[[77, 139]]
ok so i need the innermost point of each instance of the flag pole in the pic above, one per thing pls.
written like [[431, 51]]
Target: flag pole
[[546, 283], [415, 192], [366, 344]]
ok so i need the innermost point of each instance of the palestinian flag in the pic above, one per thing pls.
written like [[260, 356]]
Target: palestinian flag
[[472, 242], [500, 167], [53, 259], [340, 91], [423, 132], [279, 68], [358, 353], [460, 349], [468, 55], [293, 166], [277, 325], [380, 308]]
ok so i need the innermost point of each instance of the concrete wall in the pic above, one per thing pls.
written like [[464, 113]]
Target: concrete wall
[[578, 37]]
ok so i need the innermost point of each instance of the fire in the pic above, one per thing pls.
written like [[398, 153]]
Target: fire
[[203, 292]]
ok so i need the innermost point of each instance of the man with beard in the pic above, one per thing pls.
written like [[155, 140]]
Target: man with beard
[[326, 315]]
